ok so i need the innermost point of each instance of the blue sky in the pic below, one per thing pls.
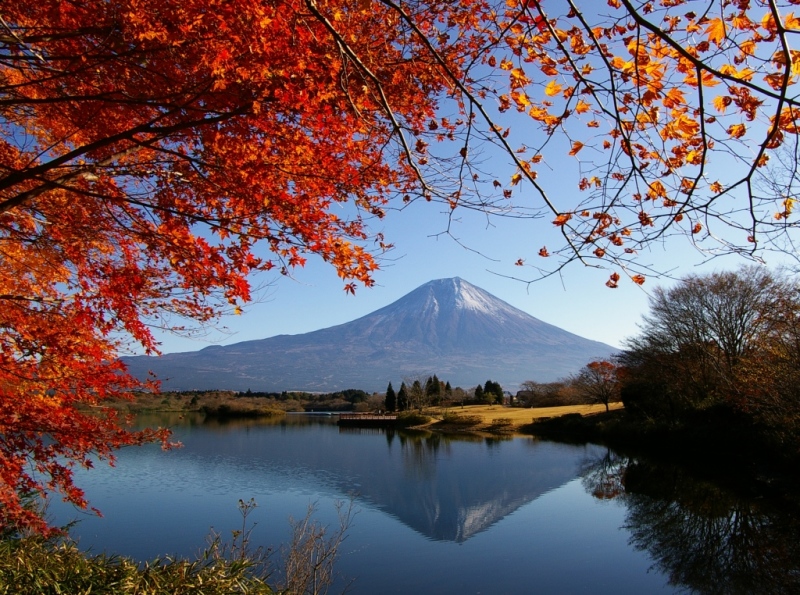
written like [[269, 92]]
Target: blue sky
[[487, 248], [577, 301]]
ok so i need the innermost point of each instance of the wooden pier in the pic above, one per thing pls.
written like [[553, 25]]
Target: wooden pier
[[366, 420]]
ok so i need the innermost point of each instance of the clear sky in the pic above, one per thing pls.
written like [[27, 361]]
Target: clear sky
[[487, 248], [578, 301]]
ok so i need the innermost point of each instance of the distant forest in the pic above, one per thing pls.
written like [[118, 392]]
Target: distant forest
[[336, 401], [418, 393]]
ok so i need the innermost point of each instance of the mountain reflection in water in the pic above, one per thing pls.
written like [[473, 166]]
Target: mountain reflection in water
[[704, 537], [452, 498], [446, 514], [445, 487]]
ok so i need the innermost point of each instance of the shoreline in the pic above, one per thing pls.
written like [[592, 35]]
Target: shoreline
[[500, 420]]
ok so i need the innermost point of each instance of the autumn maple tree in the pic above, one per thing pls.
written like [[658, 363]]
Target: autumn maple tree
[[147, 148], [155, 153]]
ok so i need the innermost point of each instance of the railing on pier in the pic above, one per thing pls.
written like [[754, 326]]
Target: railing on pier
[[367, 416], [366, 419]]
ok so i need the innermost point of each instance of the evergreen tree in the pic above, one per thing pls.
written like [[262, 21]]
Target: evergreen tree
[[488, 393], [501, 397], [448, 390], [479, 393], [433, 390], [493, 392], [391, 399], [402, 398]]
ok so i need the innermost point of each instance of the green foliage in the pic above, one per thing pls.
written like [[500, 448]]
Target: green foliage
[[493, 389], [434, 390], [402, 398], [240, 410], [38, 566], [390, 403], [414, 393]]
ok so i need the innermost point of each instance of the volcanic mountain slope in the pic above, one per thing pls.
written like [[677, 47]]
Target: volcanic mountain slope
[[448, 327]]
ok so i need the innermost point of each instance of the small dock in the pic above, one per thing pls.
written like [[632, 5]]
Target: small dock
[[366, 420]]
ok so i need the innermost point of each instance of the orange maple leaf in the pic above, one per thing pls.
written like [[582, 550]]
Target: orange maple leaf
[[552, 89], [737, 130], [576, 146], [715, 31], [562, 219]]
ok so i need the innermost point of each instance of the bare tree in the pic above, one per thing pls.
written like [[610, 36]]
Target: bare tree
[[597, 382], [310, 557], [418, 398], [547, 394], [707, 323], [723, 338]]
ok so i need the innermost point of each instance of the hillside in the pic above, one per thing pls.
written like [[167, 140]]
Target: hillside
[[448, 326]]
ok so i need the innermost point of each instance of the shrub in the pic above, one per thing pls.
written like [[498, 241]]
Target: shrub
[[38, 566], [408, 419], [502, 425], [228, 410], [34, 565], [462, 420]]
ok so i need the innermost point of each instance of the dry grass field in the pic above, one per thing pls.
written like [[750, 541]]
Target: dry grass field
[[470, 418], [519, 416]]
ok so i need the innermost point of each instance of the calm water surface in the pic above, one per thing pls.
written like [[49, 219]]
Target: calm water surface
[[443, 515]]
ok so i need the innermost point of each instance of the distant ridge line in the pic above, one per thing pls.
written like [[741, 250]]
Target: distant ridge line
[[449, 327]]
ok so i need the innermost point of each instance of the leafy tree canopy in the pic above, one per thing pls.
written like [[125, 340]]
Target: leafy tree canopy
[[147, 147], [722, 340]]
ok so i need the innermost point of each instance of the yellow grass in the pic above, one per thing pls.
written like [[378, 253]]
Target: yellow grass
[[520, 415]]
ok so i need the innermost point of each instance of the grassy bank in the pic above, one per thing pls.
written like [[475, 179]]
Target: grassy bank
[[244, 404], [715, 439], [499, 419], [35, 566], [227, 404]]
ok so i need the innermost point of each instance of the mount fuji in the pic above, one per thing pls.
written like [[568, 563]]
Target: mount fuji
[[447, 327]]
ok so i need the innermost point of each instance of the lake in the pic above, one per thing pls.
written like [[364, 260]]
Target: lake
[[443, 514]]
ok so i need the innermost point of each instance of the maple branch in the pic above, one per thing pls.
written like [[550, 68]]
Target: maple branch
[[612, 112], [396, 128], [159, 133], [495, 130], [697, 62], [14, 38], [38, 300]]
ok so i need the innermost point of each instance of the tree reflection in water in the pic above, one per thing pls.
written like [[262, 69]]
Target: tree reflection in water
[[706, 538]]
